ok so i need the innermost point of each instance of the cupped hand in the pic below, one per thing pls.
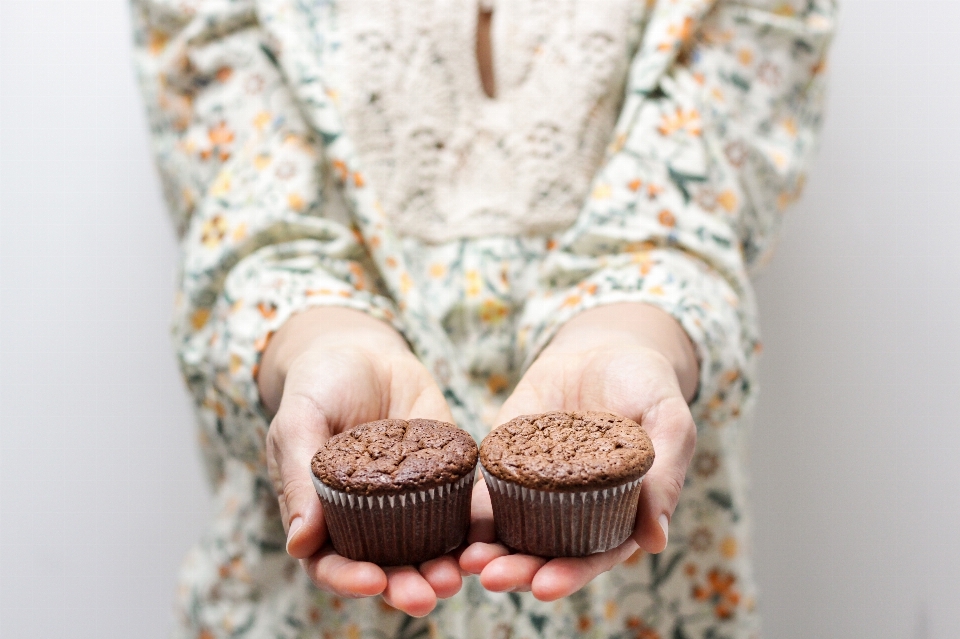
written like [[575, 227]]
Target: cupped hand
[[630, 359], [327, 370]]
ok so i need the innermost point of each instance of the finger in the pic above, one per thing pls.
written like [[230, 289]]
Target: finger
[[566, 575], [482, 534], [408, 591], [428, 404], [307, 531], [413, 393], [295, 434], [344, 577], [528, 399], [513, 573], [443, 575], [674, 437], [481, 515], [477, 555]]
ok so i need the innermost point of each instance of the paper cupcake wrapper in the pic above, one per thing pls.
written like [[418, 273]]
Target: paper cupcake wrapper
[[562, 524], [397, 530]]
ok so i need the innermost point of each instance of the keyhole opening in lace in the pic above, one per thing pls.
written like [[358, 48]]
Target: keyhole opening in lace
[[485, 52]]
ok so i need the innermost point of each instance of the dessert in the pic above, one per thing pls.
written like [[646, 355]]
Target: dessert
[[565, 484], [396, 492]]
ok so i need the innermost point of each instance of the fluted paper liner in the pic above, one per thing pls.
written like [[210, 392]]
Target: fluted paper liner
[[550, 523], [397, 530]]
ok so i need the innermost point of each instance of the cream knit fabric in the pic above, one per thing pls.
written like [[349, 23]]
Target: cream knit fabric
[[451, 162]]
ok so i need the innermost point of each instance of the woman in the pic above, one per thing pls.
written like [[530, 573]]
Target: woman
[[469, 212]]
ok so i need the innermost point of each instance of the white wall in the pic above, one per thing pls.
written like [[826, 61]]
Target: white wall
[[854, 452], [100, 485], [857, 440]]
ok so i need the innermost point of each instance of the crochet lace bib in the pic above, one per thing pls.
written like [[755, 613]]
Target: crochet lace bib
[[446, 160]]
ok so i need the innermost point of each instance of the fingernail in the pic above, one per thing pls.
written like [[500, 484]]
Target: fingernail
[[664, 526], [294, 527]]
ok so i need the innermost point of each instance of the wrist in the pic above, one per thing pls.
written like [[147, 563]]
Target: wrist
[[322, 327], [634, 324]]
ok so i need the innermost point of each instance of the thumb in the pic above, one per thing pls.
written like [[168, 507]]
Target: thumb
[[674, 434], [295, 434]]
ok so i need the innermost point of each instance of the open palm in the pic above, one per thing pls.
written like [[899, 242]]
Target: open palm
[[332, 385], [612, 375]]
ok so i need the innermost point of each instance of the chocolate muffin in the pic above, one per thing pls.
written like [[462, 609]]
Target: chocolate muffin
[[565, 484], [396, 492]]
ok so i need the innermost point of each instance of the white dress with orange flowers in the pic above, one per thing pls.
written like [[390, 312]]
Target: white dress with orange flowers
[[342, 152]]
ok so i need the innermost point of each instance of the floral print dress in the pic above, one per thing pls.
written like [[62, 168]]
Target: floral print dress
[[335, 152]]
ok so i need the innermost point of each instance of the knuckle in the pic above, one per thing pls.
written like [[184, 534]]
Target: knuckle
[[273, 438], [673, 485], [689, 436], [675, 421]]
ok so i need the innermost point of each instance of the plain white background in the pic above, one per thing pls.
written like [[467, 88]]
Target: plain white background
[[856, 445]]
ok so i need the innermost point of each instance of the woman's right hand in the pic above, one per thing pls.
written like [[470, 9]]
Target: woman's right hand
[[326, 370]]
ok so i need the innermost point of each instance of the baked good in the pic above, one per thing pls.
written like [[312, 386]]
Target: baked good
[[396, 492], [565, 484]]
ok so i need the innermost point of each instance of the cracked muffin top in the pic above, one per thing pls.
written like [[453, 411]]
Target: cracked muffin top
[[393, 456], [560, 451]]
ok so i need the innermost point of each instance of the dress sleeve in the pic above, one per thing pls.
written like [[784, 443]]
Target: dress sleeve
[[262, 235], [721, 114]]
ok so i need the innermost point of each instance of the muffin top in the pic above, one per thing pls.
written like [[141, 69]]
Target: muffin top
[[567, 451], [393, 456]]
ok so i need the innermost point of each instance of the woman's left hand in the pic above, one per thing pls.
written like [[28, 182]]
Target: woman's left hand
[[630, 359]]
